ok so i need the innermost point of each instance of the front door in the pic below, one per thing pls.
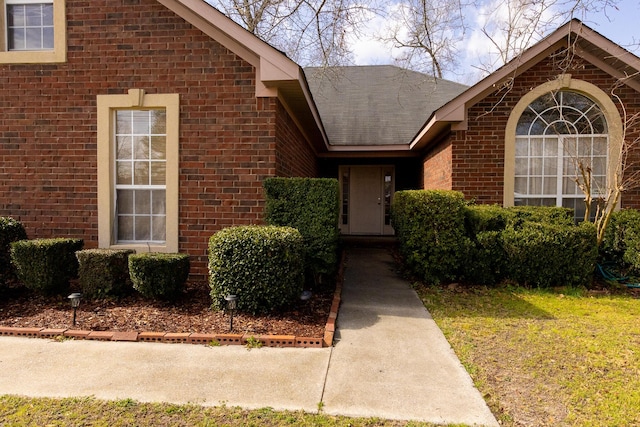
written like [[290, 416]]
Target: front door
[[366, 200]]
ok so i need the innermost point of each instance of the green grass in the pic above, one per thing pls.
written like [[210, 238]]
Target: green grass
[[563, 357], [21, 411]]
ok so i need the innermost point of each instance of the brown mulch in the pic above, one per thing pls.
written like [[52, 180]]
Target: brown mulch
[[191, 313]]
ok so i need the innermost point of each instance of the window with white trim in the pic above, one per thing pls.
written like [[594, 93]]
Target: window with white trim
[[29, 25], [138, 152], [141, 164], [554, 134], [33, 31]]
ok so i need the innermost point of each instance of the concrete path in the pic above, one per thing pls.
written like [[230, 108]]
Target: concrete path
[[390, 360]]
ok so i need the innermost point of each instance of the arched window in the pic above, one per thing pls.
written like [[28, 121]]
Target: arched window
[[555, 133]]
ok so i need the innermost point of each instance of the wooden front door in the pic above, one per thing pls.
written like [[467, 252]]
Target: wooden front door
[[366, 198]]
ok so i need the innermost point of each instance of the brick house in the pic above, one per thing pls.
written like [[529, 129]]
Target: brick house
[[151, 124]]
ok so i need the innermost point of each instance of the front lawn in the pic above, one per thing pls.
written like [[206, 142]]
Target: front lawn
[[562, 357]]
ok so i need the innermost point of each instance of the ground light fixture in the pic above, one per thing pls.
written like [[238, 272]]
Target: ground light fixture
[[74, 298], [232, 301]]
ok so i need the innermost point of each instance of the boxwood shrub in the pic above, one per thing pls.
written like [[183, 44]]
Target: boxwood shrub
[[103, 272], [546, 255], [46, 265], [10, 231], [621, 243], [262, 265], [517, 215], [159, 275], [430, 226], [310, 205]]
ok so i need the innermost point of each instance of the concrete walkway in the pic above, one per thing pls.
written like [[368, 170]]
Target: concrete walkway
[[390, 360]]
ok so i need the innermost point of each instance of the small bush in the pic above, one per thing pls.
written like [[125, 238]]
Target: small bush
[[46, 265], [263, 266], [546, 255], [310, 205], [621, 243], [10, 231], [103, 272], [159, 275], [431, 230]]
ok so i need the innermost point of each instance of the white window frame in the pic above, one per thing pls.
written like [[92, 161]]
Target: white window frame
[[56, 55], [107, 106], [563, 82]]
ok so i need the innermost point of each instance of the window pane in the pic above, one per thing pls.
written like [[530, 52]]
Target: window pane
[[123, 122], [550, 166], [141, 147], [550, 147], [158, 173], [140, 122], [522, 147], [142, 228], [569, 186], [159, 228], [158, 121], [124, 173], [123, 148], [550, 185], [159, 202], [159, 147], [521, 186], [141, 173], [143, 202], [125, 201], [522, 166], [125, 228], [535, 185], [47, 38]]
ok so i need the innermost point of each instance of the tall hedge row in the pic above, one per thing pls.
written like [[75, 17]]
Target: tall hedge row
[[442, 238], [430, 228], [11, 230], [310, 205], [621, 243]]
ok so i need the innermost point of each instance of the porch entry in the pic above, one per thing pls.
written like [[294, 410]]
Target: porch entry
[[366, 193]]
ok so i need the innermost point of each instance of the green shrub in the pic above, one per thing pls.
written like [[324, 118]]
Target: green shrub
[[517, 215], [10, 231], [545, 255], [263, 266], [479, 218], [431, 231], [621, 243], [46, 265], [310, 205], [103, 272], [487, 261], [159, 275]]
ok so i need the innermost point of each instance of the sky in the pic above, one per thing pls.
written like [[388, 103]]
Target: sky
[[621, 26]]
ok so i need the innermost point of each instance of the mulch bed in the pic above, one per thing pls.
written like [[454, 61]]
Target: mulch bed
[[191, 313]]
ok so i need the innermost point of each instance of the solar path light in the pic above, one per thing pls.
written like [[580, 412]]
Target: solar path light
[[74, 298], [231, 306]]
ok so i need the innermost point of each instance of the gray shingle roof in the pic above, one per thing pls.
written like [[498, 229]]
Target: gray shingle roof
[[378, 104]]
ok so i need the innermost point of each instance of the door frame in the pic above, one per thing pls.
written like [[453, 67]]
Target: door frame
[[346, 208]]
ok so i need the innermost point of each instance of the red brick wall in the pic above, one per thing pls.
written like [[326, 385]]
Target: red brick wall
[[478, 153], [294, 156], [436, 167], [48, 124]]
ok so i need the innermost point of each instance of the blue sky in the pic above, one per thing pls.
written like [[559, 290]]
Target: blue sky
[[621, 25]]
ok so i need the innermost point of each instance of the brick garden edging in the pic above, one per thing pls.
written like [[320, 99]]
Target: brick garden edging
[[195, 338]]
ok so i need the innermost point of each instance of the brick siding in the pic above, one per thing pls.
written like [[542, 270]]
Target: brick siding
[[477, 154], [228, 140]]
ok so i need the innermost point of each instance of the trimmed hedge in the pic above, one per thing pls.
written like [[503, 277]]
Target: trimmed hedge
[[46, 265], [546, 255], [621, 243], [263, 266], [517, 215], [159, 275], [311, 205], [430, 226], [103, 272], [10, 231]]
